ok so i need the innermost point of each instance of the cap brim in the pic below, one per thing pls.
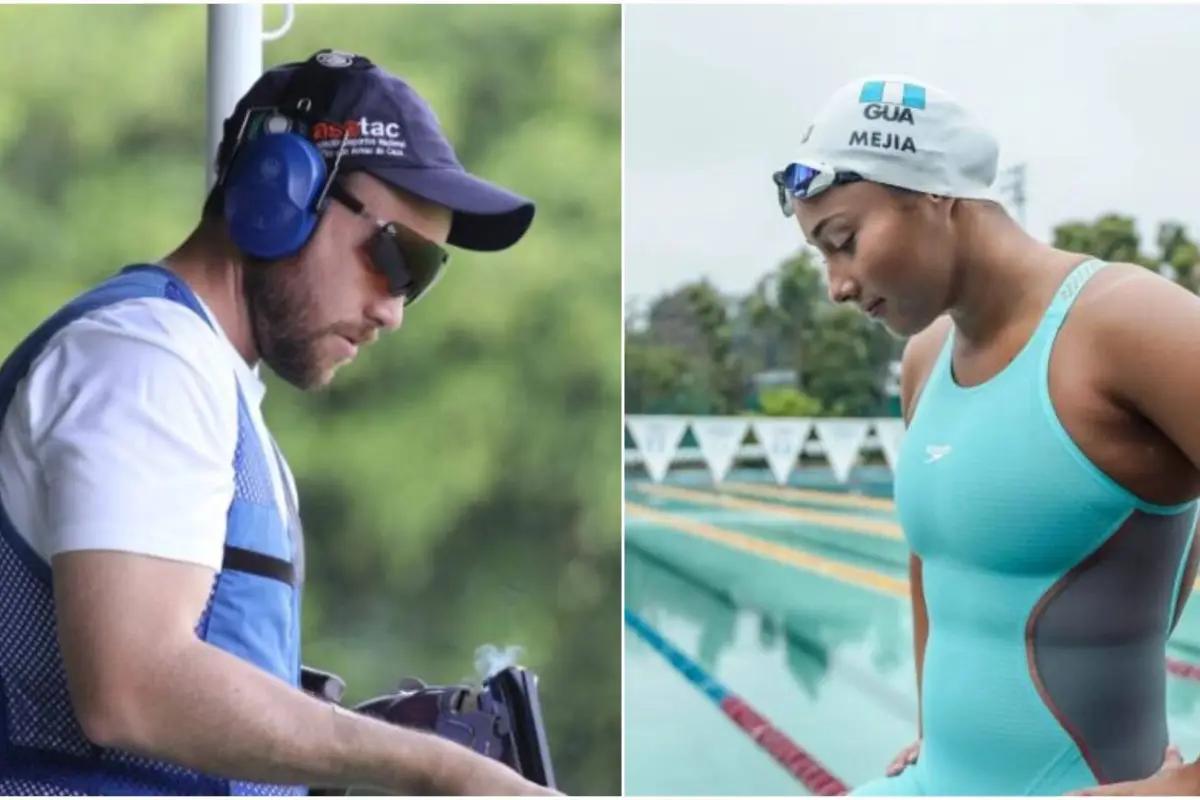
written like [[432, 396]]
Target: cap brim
[[487, 217]]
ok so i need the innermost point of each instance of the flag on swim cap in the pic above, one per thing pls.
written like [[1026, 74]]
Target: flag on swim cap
[[904, 132]]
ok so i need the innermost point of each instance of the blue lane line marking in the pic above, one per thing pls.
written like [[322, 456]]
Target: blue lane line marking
[[695, 673]]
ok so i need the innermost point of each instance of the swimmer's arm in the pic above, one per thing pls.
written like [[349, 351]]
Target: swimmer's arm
[[1149, 334], [1154, 366], [1146, 331], [1149, 331], [920, 353]]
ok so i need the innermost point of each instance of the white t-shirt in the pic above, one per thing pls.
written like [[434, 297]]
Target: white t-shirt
[[122, 435]]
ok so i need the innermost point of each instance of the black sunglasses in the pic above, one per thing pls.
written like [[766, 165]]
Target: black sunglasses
[[411, 263]]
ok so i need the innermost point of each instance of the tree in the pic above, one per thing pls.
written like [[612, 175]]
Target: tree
[[788, 402], [1114, 237], [662, 379], [839, 372], [1178, 255], [710, 310], [695, 322], [783, 308]]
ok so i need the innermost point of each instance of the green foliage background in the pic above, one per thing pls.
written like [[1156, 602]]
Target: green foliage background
[[459, 482]]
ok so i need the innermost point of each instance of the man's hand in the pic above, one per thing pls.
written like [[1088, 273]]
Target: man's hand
[[1173, 779]]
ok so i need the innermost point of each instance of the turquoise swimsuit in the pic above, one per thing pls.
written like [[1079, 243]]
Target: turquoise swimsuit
[[1051, 590]]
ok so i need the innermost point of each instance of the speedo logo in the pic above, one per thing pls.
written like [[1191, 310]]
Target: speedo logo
[[355, 129]]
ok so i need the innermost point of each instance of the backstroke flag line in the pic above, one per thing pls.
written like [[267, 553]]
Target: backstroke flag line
[[719, 439], [657, 438], [842, 439], [782, 440]]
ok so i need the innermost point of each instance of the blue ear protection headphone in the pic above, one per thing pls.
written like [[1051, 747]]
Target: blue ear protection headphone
[[276, 181]]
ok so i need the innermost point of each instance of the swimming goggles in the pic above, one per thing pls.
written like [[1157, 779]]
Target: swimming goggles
[[803, 182]]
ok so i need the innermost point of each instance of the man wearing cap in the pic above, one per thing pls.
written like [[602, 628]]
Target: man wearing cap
[[151, 554], [1047, 483]]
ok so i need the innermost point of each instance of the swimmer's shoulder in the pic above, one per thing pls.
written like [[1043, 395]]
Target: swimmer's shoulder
[[1147, 327], [1105, 291], [916, 363], [1127, 304]]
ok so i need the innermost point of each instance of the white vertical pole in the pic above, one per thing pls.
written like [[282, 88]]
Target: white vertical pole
[[235, 61]]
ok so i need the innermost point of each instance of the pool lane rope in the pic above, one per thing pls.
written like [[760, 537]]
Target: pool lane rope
[[796, 760], [1183, 669]]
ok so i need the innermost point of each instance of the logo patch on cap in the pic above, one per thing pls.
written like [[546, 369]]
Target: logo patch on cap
[[889, 102], [361, 137], [335, 59]]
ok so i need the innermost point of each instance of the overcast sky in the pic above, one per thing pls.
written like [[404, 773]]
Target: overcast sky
[[1101, 102]]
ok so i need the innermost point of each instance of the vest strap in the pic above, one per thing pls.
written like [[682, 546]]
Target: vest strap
[[238, 559]]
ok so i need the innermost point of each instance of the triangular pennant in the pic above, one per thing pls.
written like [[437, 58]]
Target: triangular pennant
[[782, 440], [719, 439], [890, 432], [657, 438], [842, 439]]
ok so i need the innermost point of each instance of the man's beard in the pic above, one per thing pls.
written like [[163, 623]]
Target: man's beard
[[279, 310]]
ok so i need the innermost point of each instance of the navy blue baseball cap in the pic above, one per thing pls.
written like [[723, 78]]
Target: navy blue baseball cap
[[380, 125]]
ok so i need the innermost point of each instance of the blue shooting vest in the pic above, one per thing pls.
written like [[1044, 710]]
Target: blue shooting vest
[[253, 611]]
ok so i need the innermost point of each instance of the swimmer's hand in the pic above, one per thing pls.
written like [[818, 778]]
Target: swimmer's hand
[[1173, 779], [907, 757]]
